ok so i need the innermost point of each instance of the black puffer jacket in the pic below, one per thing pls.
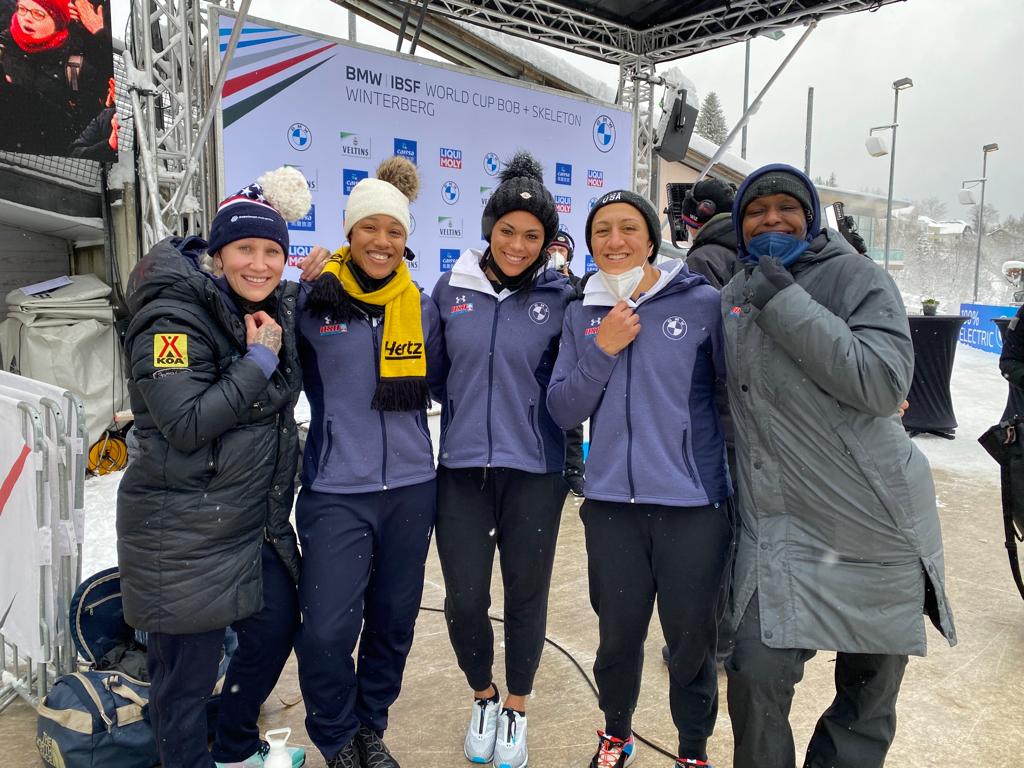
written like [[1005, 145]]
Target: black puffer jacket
[[713, 253], [212, 478]]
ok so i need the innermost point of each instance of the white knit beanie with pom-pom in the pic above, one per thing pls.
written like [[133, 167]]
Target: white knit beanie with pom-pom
[[396, 185]]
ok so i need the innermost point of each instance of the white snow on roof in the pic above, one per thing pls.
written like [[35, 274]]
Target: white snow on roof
[[545, 59], [708, 149], [953, 227]]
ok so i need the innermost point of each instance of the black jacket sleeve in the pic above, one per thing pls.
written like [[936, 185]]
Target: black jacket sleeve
[[191, 400], [1011, 361]]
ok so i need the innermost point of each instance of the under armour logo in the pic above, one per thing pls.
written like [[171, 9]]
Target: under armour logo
[[460, 299], [595, 321]]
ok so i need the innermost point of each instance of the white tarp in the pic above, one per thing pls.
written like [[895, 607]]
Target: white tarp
[[335, 110], [23, 547], [66, 338]]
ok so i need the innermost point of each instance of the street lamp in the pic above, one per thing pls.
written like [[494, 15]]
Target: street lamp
[[876, 148], [774, 34], [967, 198]]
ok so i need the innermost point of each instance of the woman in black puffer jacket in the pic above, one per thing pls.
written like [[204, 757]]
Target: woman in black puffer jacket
[[214, 380]]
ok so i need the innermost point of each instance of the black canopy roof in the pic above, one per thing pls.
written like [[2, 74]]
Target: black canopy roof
[[622, 31]]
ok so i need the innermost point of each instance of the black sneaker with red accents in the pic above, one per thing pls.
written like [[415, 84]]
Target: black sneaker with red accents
[[613, 752]]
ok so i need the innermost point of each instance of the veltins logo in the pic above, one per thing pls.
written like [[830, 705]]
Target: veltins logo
[[674, 328], [595, 178], [485, 194], [350, 177], [355, 145], [450, 192], [296, 253], [604, 133], [451, 158], [307, 223], [406, 148], [449, 227], [563, 173], [563, 203], [313, 182], [414, 262], [491, 164], [300, 137], [448, 258]]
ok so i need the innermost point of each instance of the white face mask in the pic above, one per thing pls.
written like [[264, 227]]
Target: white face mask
[[622, 285], [557, 260]]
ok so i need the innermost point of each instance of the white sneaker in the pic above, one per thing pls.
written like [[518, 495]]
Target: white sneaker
[[483, 727], [510, 744]]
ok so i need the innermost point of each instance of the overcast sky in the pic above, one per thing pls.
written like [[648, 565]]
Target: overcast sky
[[965, 59]]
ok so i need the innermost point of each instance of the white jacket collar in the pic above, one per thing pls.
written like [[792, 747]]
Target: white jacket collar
[[466, 273], [595, 294]]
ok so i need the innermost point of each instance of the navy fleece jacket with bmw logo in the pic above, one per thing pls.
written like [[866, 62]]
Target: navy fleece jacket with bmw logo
[[501, 349], [655, 433]]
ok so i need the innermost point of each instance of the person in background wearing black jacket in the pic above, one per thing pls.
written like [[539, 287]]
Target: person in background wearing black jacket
[[1011, 361], [560, 254], [707, 212], [203, 535]]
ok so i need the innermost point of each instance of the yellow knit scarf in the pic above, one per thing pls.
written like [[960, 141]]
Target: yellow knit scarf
[[403, 359]]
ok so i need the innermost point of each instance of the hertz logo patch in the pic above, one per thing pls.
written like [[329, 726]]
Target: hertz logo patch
[[170, 350]]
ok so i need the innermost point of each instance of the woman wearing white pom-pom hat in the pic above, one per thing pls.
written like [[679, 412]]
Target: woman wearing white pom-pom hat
[[204, 539]]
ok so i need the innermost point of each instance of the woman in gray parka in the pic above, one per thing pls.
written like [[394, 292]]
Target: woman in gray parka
[[839, 547]]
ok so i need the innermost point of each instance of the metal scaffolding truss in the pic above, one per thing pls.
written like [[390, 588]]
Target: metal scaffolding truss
[[687, 28], [171, 95], [636, 92]]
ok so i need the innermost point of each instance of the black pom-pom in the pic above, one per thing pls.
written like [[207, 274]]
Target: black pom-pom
[[522, 164], [329, 297]]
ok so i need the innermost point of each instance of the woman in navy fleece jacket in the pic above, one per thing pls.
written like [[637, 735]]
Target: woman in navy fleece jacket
[[641, 357], [501, 455]]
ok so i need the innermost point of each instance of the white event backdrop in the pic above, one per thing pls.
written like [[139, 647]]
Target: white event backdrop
[[335, 110]]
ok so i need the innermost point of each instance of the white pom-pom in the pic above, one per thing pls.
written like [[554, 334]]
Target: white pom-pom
[[286, 189]]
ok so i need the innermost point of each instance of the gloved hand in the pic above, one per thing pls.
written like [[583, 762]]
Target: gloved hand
[[768, 278]]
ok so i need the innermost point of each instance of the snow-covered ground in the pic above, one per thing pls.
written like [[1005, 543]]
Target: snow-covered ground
[[979, 395]]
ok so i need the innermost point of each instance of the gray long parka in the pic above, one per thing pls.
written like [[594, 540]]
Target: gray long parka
[[840, 535]]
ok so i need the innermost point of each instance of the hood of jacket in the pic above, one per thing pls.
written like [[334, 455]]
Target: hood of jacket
[[813, 227], [679, 279], [718, 231], [171, 271]]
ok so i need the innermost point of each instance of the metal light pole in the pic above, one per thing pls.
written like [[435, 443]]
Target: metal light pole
[[746, 98], [774, 34], [981, 213], [899, 85]]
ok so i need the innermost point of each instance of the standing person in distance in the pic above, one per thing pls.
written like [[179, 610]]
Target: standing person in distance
[[707, 212], [500, 482], [203, 533], [369, 339], [641, 357], [840, 547], [560, 252]]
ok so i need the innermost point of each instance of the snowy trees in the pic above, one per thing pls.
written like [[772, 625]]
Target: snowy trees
[[711, 120]]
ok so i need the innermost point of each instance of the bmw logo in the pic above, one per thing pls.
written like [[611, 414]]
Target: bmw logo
[[492, 164], [450, 192], [674, 328], [539, 312], [604, 133], [299, 136]]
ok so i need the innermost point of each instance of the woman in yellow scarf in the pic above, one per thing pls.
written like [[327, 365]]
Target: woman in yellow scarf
[[369, 343]]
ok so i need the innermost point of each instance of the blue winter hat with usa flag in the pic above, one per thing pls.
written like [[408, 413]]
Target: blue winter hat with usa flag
[[262, 209]]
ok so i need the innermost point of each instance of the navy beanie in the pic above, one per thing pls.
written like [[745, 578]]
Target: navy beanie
[[641, 204], [247, 214]]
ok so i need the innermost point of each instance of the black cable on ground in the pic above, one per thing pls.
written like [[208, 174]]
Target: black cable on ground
[[572, 659]]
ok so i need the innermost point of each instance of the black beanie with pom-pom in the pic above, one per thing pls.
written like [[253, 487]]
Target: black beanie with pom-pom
[[521, 189]]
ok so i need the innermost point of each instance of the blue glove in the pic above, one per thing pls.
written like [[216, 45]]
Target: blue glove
[[768, 278]]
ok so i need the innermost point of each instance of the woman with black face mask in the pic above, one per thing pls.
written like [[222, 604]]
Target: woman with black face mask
[[500, 477]]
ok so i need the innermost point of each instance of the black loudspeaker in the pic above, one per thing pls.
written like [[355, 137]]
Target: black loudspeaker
[[675, 193], [675, 129]]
